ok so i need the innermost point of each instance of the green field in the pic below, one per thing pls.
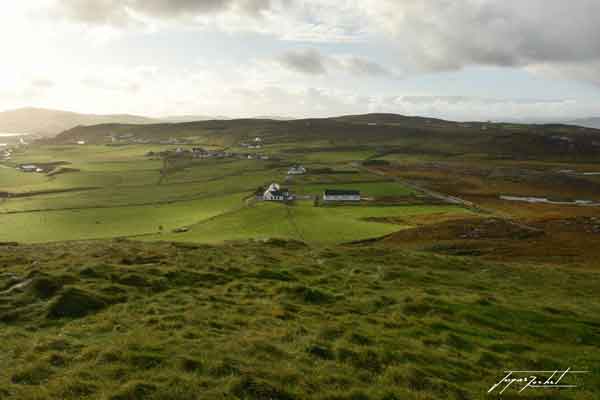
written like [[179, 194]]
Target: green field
[[93, 223], [303, 221], [370, 189], [121, 280], [119, 192]]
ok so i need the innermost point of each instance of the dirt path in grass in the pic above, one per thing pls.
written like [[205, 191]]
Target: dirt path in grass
[[290, 217], [17, 286]]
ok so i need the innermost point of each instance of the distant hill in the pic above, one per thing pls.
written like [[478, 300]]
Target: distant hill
[[177, 119], [195, 118], [384, 133], [274, 117], [587, 122], [47, 122]]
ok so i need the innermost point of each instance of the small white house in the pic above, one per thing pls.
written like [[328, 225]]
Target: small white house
[[81, 142], [28, 168], [341, 195], [276, 193], [257, 140], [297, 170]]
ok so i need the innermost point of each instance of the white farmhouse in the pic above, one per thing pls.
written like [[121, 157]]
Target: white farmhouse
[[276, 193], [341, 195]]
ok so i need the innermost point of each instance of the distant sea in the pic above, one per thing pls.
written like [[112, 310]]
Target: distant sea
[[12, 134]]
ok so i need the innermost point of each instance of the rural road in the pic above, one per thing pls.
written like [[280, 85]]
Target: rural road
[[428, 192]]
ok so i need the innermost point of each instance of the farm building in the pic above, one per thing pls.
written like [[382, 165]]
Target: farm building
[[276, 193], [341, 195], [29, 168], [297, 170], [199, 152]]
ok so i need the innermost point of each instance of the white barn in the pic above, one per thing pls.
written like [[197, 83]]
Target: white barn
[[341, 195]]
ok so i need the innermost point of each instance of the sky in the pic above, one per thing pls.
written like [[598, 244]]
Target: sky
[[454, 59]]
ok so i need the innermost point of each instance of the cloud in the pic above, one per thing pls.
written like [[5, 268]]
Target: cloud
[[363, 67], [302, 102], [583, 71], [447, 35], [556, 36], [100, 12], [313, 62], [307, 61], [127, 12], [467, 108], [127, 80], [42, 83], [474, 100], [98, 83]]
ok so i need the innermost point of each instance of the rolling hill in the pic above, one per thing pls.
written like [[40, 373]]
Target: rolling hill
[[386, 133], [47, 122], [587, 122]]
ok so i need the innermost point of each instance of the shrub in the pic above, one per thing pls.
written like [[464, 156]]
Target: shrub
[[75, 303], [134, 391], [35, 375], [250, 388]]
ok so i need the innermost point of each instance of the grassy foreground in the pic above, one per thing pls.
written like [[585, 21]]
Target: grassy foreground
[[280, 320]]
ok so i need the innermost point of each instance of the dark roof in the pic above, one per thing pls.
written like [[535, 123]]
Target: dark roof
[[337, 192], [283, 193]]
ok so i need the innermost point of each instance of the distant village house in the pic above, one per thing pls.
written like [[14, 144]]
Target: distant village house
[[297, 170], [341, 195], [29, 168]]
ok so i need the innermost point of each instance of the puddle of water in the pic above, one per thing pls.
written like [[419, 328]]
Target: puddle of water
[[545, 200], [6, 134], [573, 172]]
